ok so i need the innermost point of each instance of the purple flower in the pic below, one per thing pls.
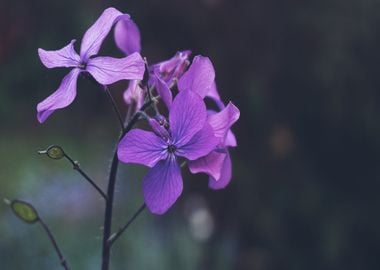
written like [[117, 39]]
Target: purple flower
[[188, 136], [200, 78], [105, 70], [172, 69], [217, 164], [165, 74]]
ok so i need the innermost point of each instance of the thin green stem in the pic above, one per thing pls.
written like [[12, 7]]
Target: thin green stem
[[55, 245], [77, 167], [116, 235], [115, 108]]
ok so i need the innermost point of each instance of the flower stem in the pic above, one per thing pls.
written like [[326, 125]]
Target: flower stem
[[116, 235], [106, 253], [55, 245], [115, 108], [77, 167], [106, 250]]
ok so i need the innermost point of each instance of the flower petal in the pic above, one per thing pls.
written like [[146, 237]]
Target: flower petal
[[163, 90], [230, 139], [141, 147], [94, 36], [172, 69], [61, 98], [200, 145], [127, 36], [199, 77], [187, 116], [107, 70], [65, 57], [222, 121], [214, 95], [162, 186], [225, 176], [134, 94], [210, 164]]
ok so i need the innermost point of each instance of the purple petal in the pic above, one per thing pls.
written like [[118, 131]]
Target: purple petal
[[94, 36], [159, 129], [214, 95], [65, 57], [107, 70], [162, 186], [222, 121], [187, 116], [230, 139], [127, 36], [200, 76], [210, 164], [225, 176], [200, 145], [173, 68], [134, 93], [61, 98], [141, 147], [163, 90]]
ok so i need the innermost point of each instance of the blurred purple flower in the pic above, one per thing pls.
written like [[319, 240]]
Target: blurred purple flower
[[105, 70], [217, 164], [188, 136]]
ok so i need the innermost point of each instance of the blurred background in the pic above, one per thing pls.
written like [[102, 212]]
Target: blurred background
[[304, 193]]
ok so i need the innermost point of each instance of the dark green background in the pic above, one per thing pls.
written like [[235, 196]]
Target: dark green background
[[304, 195]]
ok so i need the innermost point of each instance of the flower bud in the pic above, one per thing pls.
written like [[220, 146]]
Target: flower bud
[[158, 128]]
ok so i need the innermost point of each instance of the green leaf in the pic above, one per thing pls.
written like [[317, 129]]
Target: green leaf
[[24, 211]]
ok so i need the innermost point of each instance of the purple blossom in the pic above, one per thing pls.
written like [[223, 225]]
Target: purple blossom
[[217, 164], [200, 78], [105, 70], [188, 136], [164, 75], [172, 69]]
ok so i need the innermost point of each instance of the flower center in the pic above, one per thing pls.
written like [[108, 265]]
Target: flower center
[[82, 65], [171, 148]]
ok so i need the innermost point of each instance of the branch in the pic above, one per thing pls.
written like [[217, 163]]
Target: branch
[[77, 167], [55, 245], [115, 108], [116, 235]]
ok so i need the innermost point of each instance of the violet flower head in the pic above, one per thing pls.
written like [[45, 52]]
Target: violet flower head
[[200, 78], [105, 70], [188, 136]]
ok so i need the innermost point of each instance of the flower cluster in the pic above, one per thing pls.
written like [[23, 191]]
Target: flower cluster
[[189, 134]]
